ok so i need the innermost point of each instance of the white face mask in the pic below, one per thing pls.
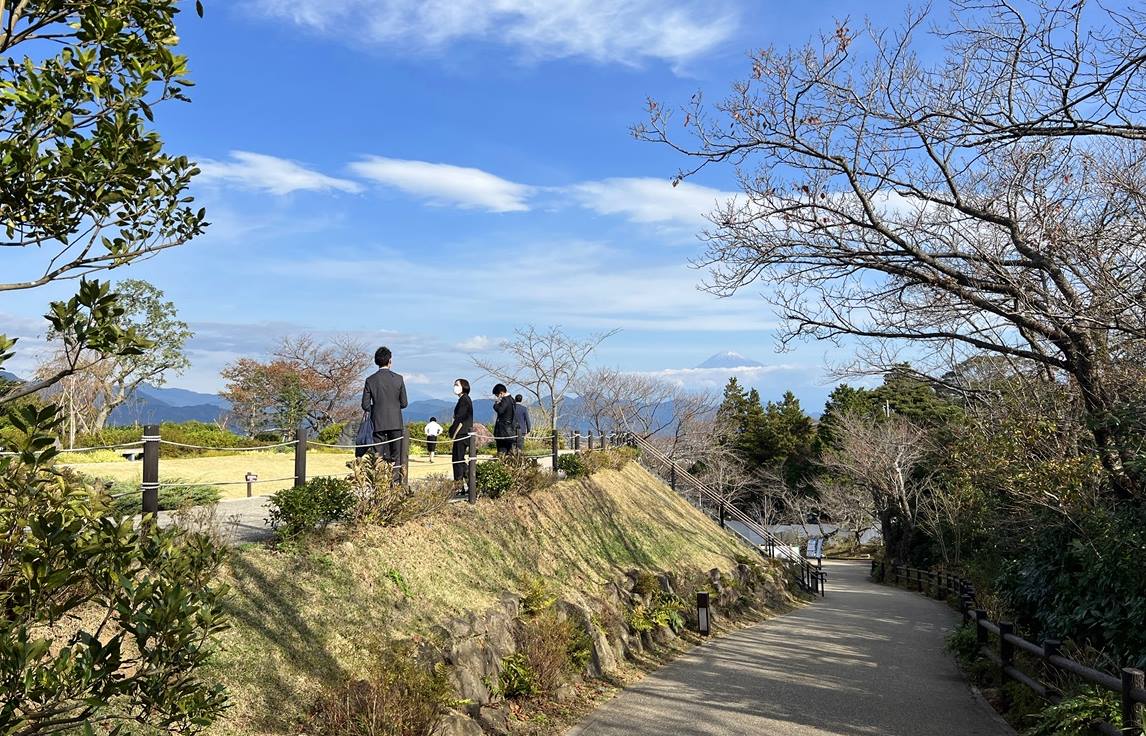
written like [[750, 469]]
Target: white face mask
[[457, 390]]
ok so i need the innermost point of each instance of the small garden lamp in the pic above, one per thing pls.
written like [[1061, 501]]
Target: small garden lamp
[[251, 478], [702, 613]]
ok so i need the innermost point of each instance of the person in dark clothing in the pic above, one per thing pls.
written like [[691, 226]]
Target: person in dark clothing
[[521, 423], [503, 426], [461, 428], [385, 398]]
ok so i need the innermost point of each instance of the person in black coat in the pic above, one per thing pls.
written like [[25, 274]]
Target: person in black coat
[[521, 422], [385, 397], [461, 428], [504, 426]]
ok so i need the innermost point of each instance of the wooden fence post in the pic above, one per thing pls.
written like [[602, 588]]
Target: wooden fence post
[[672, 475], [471, 468], [577, 441], [980, 631], [590, 440], [300, 456], [1006, 650], [555, 449], [150, 473], [939, 594], [1131, 711], [604, 441]]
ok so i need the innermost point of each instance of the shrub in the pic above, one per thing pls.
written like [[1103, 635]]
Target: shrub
[[664, 610], [1075, 715], [493, 478], [963, 643], [554, 649], [105, 623], [399, 697], [615, 458], [94, 456], [201, 434], [646, 583], [574, 465], [126, 499], [516, 679], [379, 501], [526, 476], [537, 596], [331, 434], [315, 504]]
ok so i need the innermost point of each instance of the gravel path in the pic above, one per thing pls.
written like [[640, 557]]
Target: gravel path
[[867, 659]]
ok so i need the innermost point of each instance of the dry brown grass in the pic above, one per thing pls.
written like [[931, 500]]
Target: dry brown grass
[[305, 619]]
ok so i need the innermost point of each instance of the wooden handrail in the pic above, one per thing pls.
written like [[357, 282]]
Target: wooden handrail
[[1128, 686]]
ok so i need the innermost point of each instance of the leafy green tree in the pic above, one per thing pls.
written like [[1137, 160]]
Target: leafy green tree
[[106, 623], [844, 400], [91, 395], [87, 183]]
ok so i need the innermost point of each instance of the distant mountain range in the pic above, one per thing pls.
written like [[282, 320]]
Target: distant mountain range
[[158, 404]]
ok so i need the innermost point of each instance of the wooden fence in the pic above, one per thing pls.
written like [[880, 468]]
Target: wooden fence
[[999, 643]]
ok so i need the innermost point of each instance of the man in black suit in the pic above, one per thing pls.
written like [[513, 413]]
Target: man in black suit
[[385, 398]]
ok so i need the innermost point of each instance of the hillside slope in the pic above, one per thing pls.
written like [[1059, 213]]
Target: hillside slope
[[304, 620]]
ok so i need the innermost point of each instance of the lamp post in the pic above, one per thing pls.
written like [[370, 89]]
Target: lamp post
[[703, 617]]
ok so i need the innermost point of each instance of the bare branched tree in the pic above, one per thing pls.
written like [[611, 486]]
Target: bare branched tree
[[331, 371], [876, 462], [612, 399], [992, 201], [546, 363]]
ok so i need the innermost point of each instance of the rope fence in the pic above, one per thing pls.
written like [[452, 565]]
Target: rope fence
[[151, 442]]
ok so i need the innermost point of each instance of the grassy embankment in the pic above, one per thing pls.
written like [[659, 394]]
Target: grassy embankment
[[307, 620]]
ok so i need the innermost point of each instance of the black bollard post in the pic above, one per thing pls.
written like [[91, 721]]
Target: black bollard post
[[150, 473]]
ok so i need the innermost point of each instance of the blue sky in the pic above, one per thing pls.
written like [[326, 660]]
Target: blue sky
[[432, 174]]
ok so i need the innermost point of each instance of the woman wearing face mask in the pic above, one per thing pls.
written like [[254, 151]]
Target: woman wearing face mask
[[461, 428]]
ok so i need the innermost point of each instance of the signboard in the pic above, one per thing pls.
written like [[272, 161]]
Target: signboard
[[815, 548]]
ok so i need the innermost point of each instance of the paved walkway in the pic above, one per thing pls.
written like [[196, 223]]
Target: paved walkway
[[867, 659]]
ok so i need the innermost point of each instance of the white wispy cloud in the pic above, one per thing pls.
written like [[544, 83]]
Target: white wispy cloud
[[476, 344], [445, 183], [649, 200], [576, 283], [260, 172], [607, 31]]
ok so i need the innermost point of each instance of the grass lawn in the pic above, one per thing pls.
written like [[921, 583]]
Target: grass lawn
[[233, 469]]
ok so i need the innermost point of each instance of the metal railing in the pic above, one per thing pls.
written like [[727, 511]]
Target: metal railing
[[812, 578]]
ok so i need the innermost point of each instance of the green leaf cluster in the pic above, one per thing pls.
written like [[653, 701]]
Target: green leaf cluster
[[106, 622]]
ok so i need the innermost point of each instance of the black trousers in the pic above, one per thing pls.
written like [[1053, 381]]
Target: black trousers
[[458, 458], [391, 451], [504, 447], [431, 443]]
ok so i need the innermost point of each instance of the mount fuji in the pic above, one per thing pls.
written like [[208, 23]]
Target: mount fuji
[[730, 360]]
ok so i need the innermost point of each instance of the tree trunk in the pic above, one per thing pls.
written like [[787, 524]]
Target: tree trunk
[[1107, 442]]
